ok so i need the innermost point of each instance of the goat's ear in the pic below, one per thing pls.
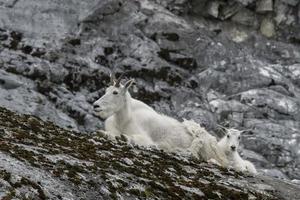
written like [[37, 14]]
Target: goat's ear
[[245, 131], [129, 83]]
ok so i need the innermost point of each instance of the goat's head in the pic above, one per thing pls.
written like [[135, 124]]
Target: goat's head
[[114, 98], [232, 139]]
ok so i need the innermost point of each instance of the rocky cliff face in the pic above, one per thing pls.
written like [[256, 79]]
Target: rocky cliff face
[[41, 161], [234, 63]]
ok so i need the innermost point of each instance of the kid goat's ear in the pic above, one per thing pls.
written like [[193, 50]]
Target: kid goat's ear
[[129, 83]]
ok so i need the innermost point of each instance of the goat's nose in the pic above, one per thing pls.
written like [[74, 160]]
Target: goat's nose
[[96, 106], [233, 147]]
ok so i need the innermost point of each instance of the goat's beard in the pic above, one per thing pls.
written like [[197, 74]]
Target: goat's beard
[[229, 151], [103, 114]]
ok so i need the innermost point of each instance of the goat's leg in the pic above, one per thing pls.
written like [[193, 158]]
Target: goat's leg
[[196, 147], [105, 134], [142, 139]]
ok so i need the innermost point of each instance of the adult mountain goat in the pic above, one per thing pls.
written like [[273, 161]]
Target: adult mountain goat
[[139, 122]]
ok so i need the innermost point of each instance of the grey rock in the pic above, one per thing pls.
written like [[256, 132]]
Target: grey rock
[[298, 13], [239, 36], [245, 17], [296, 181], [8, 83], [284, 13], [292, 2], [267, 27], [197, 7], [281, 11], [39, 14], [8, 3], [213, 8], [186, 65], [264, 6], [274, 173], [228, 10], [246, 2]]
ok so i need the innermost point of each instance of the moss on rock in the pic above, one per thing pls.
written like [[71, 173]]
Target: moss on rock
[[94, 167]]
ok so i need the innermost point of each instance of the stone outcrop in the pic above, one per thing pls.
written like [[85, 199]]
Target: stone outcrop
[[191, 59], [39, 160]]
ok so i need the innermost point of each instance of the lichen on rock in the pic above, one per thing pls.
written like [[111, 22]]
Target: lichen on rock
[[42, 161], [216, 68]]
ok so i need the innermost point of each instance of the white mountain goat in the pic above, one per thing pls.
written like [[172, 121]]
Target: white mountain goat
[[139, 122], [204, 146], [229, 145]]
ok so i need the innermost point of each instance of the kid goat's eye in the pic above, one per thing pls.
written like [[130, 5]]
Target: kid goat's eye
[[239, 137], [115, 92], [228, 136]]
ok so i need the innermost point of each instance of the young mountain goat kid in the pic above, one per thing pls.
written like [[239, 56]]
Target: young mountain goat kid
[[229, 145], [204, 146], [139, 122]]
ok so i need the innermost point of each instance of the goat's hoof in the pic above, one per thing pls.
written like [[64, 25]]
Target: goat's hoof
[[153, 146], [122, 138], [101, 133], [214, 162]]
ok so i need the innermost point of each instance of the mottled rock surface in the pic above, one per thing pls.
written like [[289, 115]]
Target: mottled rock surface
[[189, 59], [42, 161]]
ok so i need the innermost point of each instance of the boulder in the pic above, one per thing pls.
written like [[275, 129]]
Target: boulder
[[213, 8], [186, 65], [284, 13], [292, 2], [264, 6], [245, 17], [267, 27]]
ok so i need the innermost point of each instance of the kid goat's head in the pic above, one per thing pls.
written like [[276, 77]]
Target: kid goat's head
[[114, 99], [232, 139]]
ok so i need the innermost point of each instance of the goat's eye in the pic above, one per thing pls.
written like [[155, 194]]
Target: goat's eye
[[228, 136], [115, 92], [239, 137]]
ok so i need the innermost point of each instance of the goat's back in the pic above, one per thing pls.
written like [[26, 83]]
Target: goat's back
[[163, 129]]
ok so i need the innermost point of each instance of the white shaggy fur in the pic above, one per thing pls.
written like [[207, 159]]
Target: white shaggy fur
[[204, 146], [139, 122], [229, 145]]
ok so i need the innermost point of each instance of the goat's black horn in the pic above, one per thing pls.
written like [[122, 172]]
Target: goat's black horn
[[118, 81], [219, 125], [112, 78]]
